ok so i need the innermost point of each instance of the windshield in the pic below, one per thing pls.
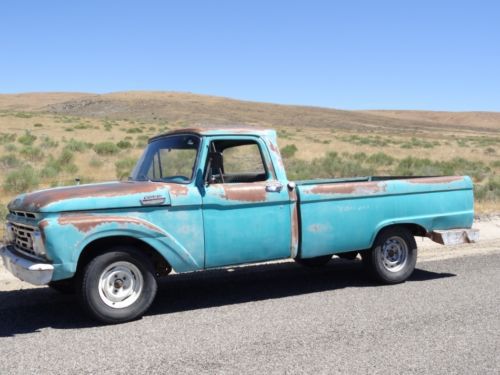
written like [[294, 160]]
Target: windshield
[[169, 159]]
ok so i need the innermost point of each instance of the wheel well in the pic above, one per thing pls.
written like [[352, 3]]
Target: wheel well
[[415, 229], [101, 245]]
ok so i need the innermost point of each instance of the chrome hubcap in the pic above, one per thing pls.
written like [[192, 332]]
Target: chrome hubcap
[[394, 254], [120, 284]]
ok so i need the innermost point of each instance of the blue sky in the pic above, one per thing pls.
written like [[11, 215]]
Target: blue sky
[[439, 55]]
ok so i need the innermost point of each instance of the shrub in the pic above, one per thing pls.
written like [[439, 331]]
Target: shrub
[[81, 126], [38, 125], [47, 142], [96, 163], [10, 147], [66, 157], [77, 146], [70, 168], [27, 138], [334, 166], [21, 180], [32, 153], [490, 151], [124, 167], [106, 148], [490, 191], [124, 145], [359, 156], [23, 115], [6, 138], [380, 159], [10, 161], [49, 171], [288, 151], [134, 130]]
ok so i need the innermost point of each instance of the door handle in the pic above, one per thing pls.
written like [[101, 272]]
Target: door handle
[[274, 188]]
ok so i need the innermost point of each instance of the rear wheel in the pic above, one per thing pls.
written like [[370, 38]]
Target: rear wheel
[[118, 285], [393, 256], [314, 262]]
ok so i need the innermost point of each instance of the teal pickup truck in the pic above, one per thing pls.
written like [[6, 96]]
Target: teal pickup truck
[[206, 198]]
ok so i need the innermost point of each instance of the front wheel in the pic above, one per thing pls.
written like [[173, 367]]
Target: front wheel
[[393, 256], [118, 285]]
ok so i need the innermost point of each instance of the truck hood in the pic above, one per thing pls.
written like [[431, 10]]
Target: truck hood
[[106, 195]]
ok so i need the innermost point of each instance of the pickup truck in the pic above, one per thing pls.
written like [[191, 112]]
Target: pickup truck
[[207, 198]]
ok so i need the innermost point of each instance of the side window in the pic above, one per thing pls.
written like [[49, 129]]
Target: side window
[[244, 159], [235, 162]]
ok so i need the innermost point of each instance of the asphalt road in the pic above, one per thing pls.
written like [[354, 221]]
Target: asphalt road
[[276, 318]]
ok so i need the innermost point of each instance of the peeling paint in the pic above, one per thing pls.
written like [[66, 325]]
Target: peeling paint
[[85, 222], [42, 198], [178, 190], [252, 192], [294, 246], [353, 188], [434, 180]]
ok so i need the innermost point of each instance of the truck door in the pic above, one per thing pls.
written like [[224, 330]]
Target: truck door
[[246, 212]]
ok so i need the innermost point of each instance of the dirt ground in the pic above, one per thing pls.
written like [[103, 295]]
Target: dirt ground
[[489, 242]]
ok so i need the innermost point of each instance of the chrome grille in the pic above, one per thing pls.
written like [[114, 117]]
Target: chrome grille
[[23, 237], [29, 215]]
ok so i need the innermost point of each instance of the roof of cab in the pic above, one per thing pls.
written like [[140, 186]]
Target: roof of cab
[[211, 131]]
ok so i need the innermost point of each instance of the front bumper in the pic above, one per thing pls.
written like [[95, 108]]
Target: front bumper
[[26, 269]]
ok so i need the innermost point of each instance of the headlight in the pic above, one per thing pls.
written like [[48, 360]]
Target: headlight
[[38, 245], [9, 233]]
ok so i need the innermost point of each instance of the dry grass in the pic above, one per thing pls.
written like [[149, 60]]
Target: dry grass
[[439, 136]]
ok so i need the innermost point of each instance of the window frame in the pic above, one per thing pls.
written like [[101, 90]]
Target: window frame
[[250, 140]]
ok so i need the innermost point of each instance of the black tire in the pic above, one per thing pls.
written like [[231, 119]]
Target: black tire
[[314, 262], [66, 286], [393, 256], [351, 255], [110, 277]]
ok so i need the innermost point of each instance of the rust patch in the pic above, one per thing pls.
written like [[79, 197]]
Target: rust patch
[[254, 192], [42, 198], [295, 220], [178, 190], [85, 222], [434, 180], [42, 225], [273, 149], [354, 188]]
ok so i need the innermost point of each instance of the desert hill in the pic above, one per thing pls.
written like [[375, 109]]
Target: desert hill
[[200, 109]]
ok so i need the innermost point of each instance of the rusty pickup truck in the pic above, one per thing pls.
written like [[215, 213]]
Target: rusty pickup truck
[[206, 198]]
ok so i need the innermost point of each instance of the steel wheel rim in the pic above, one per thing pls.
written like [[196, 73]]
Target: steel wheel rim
[[120, 284], [394, 254]]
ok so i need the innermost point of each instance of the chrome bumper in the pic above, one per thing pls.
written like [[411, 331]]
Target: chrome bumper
[[26, 269]]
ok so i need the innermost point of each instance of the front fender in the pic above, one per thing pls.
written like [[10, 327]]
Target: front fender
[[68, 235]]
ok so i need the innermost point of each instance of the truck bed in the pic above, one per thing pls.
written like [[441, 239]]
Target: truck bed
[[340, 215]]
